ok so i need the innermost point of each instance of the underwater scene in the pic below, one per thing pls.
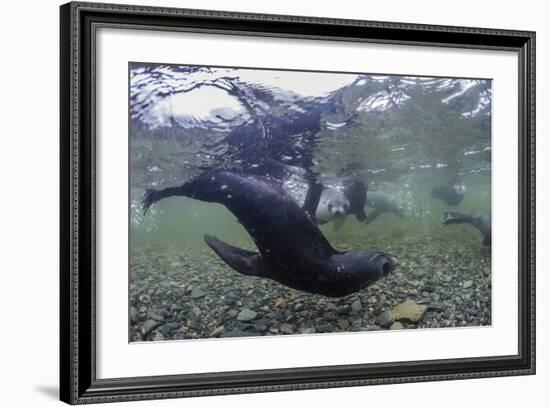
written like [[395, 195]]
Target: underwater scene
[[271, 202]]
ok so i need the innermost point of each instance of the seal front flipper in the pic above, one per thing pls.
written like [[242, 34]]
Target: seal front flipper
[[313, 197], [356, 194], [243, 261], [361, 215], [339, 222]]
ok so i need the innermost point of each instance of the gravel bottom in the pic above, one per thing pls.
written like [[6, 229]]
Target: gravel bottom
[[182, 290]]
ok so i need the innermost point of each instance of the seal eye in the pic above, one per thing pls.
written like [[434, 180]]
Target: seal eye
[[330, 207]]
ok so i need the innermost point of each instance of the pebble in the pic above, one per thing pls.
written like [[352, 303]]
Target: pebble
[[236, 332], [168, 328], [343, 324], [197, 293], [396, 325], [329, 306], [134, 315], [217, 332], [155, 316], [230, 298], [325, 328], [410, 311], [287, 329], [429, 289], [356, 324], [246, 315], [435, 306], [148, 326], [280, 302], [467, 284], [385, 319], [356, 306], [260, 326]]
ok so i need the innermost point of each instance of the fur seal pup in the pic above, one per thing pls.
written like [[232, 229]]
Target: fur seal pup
[[381, 203], [292, 249], [332, 205], [450, 194], [479, 220]]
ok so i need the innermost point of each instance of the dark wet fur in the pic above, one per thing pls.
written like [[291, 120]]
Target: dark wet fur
[[356, 194], [292, 249], [447, 194]]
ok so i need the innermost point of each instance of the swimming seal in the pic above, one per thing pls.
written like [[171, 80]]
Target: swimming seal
[[292, 249], [479, 220], [450, 194], [381, 203], [331, 205]]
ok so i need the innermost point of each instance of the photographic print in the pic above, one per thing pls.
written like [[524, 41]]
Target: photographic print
[[271, 202], [240, 215]]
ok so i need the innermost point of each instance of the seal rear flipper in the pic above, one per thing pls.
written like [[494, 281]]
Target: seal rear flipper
[[152, 195], [450, 218], [373, 215], [243, 261]]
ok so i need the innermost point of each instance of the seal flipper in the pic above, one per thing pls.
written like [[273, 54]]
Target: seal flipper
[[450, 218], [356, 194], [373, 215], [339, 222], [152, 196], [361, 215], [313, 197], [243, 261]]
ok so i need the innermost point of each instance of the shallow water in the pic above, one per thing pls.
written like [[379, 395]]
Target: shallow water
[[401, 135]]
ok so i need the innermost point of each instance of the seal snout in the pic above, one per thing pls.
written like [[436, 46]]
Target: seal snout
[[388, 265]]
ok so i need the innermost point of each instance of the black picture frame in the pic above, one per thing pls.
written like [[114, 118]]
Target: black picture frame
[[78, 382]]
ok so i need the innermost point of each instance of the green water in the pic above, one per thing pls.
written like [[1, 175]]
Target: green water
[[185, 219], [180, 289]]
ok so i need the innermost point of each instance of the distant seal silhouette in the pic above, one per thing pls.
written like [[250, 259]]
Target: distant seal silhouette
[[381, 203], [292, 249], [479, 220], [450, 194]]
